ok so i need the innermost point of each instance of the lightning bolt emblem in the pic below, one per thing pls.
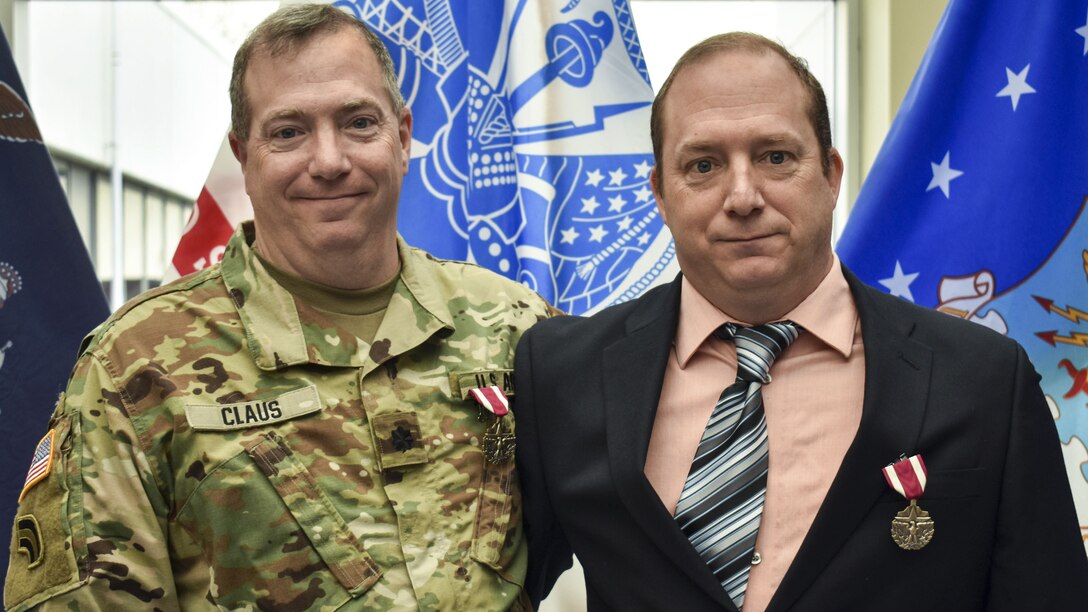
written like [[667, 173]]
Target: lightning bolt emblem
[[1052, 338], [1073, 314]]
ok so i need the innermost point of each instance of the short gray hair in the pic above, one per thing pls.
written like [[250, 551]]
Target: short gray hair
[[286, 29]]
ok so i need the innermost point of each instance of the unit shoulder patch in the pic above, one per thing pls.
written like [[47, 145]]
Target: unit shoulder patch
[[28, 539]]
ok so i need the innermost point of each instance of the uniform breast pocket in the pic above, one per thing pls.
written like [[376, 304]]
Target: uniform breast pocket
[[273, 537], [498, 543], [497, 540], [496, 536]]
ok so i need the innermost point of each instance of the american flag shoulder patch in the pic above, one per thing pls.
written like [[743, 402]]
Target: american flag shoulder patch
[[42, 463]]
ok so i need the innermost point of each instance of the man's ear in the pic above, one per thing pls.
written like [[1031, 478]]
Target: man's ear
[[659, 198], [239, 149], [834, 173], [405, 129]]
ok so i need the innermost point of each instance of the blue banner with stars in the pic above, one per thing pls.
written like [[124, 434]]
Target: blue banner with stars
[[530, 153], [49, 296], [975, 205]]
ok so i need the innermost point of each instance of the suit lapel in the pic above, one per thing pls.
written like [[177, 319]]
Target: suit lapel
[[633, 371], [897, 374]]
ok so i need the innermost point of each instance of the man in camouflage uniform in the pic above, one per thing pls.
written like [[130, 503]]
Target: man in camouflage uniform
[[249, 437]]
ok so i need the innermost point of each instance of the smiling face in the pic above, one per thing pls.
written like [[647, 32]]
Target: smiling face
[[741, 184], [326, 152]]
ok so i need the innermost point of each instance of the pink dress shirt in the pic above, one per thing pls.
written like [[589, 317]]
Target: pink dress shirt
[[813, 408]]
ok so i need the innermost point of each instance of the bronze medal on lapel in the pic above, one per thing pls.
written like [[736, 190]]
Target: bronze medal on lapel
[[499, 442], [912, 528]]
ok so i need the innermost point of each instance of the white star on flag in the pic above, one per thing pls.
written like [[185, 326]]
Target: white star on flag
[[943, 174], [643, 239], [625, 223], [642, 169], [594, 178], [597, 234], [616, 203], [1018, 86], [590, 204], [569, 235], [643, 194], [1083, 31], [617, 176], [899, 283]]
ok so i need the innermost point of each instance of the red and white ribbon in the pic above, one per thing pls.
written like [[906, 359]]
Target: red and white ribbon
[[491, 398], [907, 476]]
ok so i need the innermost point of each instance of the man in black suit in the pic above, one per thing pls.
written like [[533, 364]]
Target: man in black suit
[[612, 409]]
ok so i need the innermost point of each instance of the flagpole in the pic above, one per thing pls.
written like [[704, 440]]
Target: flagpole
[[117, 287]]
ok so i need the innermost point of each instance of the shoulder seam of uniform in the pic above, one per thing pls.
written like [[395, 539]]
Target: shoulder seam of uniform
[[184, 283]]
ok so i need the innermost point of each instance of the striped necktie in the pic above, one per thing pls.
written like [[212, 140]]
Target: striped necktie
[[722, 500]]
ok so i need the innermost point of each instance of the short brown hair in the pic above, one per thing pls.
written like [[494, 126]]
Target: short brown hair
[[286, 29], [752, 43]]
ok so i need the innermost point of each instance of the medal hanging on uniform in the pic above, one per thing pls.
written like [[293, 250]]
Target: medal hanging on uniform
[[912, 528], [499, 443]]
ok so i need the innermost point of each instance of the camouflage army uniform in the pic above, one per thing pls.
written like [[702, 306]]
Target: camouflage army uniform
[[222, 446]]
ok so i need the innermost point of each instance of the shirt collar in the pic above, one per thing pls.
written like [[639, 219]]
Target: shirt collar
[[281, 332], [828, 313]]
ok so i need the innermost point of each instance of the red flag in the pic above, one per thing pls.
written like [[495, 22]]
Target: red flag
[[221, 206]]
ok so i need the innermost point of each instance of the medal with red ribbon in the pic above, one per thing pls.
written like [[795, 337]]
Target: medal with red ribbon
[[912, 528], [499, 443]]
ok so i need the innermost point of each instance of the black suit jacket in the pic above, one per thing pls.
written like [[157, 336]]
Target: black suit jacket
[[963, 396]]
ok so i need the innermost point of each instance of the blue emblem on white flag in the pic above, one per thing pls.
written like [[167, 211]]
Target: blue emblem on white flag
[[531, 152], [976, 203], [49, 296]]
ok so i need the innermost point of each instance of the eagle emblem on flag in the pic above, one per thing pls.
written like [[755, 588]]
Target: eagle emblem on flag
[[531, 118]]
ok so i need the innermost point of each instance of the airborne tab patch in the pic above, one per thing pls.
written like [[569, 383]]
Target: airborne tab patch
[[462, 383], [255, 413]]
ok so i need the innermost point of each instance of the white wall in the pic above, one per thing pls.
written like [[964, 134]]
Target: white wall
[[173, 68]]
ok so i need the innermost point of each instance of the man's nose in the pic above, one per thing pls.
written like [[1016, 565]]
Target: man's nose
[[328, 158], [743, 195]]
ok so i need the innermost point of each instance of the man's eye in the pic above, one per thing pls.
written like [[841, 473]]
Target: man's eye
[[703, 166], [286, 133], [361, 123], [777, 157]]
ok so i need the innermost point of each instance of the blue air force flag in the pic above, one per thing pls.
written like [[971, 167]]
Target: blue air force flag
[[976, 203], [530, 153], [49, 296]]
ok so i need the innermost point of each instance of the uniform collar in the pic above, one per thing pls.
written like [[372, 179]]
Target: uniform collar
[[282, 331]]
